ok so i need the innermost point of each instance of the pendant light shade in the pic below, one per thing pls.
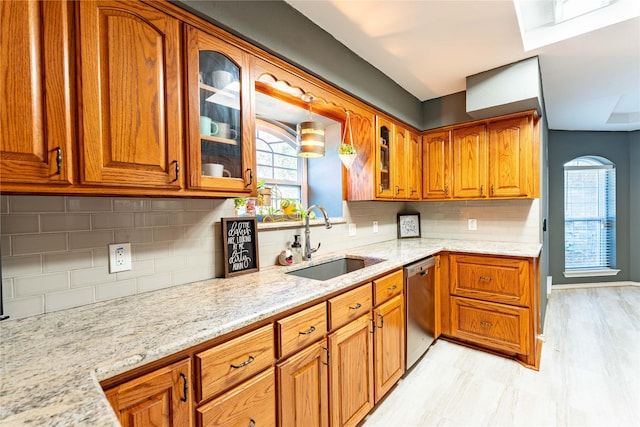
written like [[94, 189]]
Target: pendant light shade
[[310, 135]]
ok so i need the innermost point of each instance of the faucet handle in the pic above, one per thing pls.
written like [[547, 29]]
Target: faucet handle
[[315, 249]]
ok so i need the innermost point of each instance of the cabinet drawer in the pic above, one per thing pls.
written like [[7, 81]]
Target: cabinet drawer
[[494, 325], [387, 287], [251, 403], [349, 306], [504, 280], [301, 329], [228, 364]]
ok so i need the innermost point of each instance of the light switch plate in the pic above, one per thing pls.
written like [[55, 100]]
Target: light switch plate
[[119, 257], [375, 226], [473, 224], [352, 229]]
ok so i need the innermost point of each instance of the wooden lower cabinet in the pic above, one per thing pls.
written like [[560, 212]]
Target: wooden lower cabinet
[[493, 302], [303, 388], [160, 398], [252, 403], [389, 343], [351, 372]]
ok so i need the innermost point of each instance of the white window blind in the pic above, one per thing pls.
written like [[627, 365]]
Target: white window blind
[[590, 214]]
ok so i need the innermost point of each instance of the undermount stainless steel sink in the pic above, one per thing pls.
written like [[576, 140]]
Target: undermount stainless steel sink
[[335, 267]]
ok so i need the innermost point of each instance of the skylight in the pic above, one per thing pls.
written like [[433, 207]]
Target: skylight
[[544, 22]]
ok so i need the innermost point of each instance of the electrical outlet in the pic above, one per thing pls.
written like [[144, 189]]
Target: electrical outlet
[[472, 224], [119, 257], [375, 226], [352, 229]]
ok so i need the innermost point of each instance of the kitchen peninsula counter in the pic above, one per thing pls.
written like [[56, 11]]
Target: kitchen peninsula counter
[[52, 364]]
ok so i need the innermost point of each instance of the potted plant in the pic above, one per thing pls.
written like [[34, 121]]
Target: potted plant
[[239, 205], [264, 194]]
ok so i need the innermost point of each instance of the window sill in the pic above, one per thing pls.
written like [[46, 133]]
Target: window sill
[[591, 273], [296, 224]]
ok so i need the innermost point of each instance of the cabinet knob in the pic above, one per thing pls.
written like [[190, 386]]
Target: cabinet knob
[[482, 190], [491, 189], [446, 190]]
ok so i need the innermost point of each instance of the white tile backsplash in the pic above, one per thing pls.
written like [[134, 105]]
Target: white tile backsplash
[[64, 263]]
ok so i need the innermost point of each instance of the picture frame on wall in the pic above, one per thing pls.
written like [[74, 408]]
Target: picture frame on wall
[[408, 225]]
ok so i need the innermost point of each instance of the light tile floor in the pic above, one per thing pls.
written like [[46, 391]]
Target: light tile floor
[[589, 374]]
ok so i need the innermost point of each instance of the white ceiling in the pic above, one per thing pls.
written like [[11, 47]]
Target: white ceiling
[[429, 47]]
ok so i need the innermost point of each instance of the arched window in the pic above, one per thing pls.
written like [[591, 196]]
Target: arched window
[[589, 217], [278, 162]]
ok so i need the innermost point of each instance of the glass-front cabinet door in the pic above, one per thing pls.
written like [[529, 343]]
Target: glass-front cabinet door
[[383, 160], [220, 152]]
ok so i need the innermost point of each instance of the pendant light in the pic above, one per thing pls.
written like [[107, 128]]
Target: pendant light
[[347, 152], [310, 134]]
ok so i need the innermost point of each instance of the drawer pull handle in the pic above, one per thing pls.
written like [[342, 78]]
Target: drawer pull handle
[[485, 278], [185, 388], [483, 323], [252, 423], [308, 331], [243, 364], [355, 307], [392, 288]]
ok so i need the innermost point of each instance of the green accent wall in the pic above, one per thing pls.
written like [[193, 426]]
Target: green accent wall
[[284, 32], [618, 147]]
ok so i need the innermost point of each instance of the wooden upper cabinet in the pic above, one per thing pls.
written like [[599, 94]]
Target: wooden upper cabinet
[[131, 119], [219, 115], [160, 398], [510, 157], [470, 162], [414, 166], [436, 174], [384, 144], [36, 133]]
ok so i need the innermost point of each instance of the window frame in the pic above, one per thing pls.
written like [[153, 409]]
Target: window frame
[[604, 204]]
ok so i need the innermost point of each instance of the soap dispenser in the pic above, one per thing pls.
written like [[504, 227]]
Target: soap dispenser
[[296, 249]]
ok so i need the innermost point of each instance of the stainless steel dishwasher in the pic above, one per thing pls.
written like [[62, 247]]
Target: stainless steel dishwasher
[[420, 308]]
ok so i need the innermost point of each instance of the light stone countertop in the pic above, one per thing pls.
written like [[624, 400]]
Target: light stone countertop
[[51, 364]]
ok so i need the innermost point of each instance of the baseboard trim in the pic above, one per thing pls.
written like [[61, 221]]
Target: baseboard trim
[[559, 287]]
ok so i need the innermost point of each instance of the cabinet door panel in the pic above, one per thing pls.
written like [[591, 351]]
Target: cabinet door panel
[[436, 172], [131, 116], [219, 122], [470, 162], [384, 167], [160, 398], [303, 388], [389, 338], [499, 326], [251, 403], [351, 372], [510, 157], [414, 167], [35, 112], [501, 280]]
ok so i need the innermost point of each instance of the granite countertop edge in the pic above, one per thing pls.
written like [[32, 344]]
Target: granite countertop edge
[[51, 365]]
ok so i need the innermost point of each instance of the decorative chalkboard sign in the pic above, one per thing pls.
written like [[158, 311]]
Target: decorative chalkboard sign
[[240, 243]]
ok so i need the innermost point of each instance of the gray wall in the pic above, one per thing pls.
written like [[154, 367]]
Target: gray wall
[[634, 205], [615, 146], [283, 31]]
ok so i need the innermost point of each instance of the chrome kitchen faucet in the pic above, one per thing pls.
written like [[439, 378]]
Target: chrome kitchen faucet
[[307, 231]]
